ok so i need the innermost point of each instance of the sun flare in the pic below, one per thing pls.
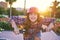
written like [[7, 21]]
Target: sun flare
[[42, 5]]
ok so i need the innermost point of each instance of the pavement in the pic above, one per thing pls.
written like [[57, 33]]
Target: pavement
[[9, 35], [50, 36]]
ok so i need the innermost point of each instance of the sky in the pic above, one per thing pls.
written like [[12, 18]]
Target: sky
[[41, 4]]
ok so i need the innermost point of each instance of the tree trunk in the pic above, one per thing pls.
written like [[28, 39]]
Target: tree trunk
[[10, 10], [25, 7]]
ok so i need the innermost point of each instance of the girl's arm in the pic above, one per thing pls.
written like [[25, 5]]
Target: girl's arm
[[16, 30]]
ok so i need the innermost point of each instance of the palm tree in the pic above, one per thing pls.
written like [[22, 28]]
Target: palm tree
[[10, 2], [54, 8]]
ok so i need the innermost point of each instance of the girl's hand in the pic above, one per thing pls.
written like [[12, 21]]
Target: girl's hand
[[44, 26], [16, 31]]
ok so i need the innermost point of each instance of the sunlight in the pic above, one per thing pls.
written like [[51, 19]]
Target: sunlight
[[18, 4], [42, 5]]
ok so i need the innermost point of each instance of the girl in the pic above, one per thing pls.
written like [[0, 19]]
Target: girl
[[32, 25]]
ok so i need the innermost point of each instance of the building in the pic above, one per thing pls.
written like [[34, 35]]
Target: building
[[3, 4], [19, 9]]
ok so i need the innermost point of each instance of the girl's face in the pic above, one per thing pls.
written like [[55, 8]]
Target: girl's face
[[32, 17]]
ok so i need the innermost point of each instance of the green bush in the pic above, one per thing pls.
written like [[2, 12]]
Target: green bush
[[2, 16], [58, 30], [6, 26]]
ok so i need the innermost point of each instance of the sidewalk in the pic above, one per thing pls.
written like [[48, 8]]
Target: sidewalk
[[49, 36], [9, 35], [59, 37]]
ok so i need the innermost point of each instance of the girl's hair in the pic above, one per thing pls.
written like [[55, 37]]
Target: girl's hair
[[27, 23], [35, 11]]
